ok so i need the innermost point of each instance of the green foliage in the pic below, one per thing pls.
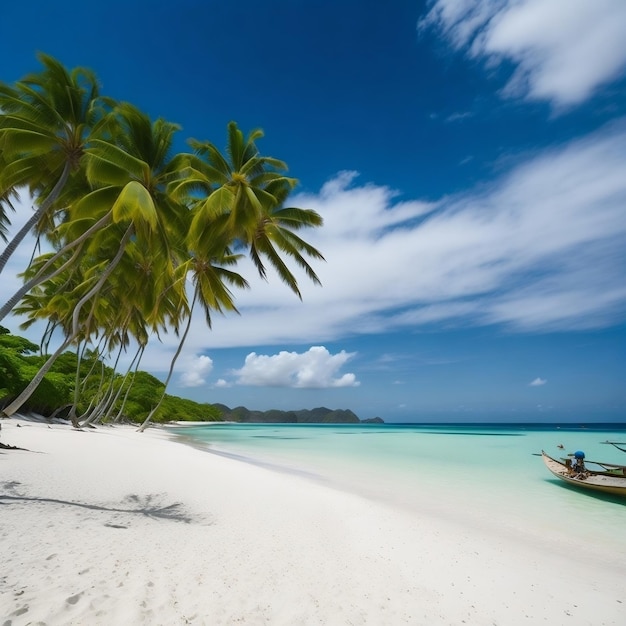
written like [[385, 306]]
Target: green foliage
[[12, 351], [55, 390], [16, 371], [130, 223], [18, 366], [181, 409]]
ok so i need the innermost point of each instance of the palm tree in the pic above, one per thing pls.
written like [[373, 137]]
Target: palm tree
[[124, 217], [210, 289], [242, 200], [45, 126], [130, 177], [241, 207]]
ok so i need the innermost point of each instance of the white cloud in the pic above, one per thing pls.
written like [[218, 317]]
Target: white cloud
[[222, 384], [195, 370], [314, 369], [539, 249], [562, 51], [538, 382]]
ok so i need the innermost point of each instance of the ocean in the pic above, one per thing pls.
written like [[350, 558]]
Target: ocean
[[486, 476]]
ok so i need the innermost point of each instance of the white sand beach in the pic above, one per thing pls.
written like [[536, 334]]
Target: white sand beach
[[110, 526]]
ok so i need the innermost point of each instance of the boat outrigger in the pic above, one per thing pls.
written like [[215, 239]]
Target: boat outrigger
[[616, 444], [611, 479]]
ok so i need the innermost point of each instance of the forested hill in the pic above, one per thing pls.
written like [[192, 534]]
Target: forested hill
[[321, 415]]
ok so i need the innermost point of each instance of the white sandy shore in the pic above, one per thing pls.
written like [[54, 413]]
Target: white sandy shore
[[114, 527]]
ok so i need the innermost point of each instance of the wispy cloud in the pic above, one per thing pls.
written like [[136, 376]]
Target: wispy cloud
[[562, 52], [538, 382], [457, 117], [538, 249]]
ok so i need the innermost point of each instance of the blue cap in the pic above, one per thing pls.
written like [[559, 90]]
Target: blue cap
[[579, 454]]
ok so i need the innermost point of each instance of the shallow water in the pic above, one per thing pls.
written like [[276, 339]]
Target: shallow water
[[485, 476]]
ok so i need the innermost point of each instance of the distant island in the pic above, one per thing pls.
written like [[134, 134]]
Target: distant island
[[320, 415]]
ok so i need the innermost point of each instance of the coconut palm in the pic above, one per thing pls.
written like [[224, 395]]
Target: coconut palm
[[242, 200], [46, 122], [129, 223], [241, 207], [130, 178], [210, 278]]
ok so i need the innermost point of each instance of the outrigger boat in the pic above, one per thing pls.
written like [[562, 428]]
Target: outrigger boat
[[616, 444], [611, 479]]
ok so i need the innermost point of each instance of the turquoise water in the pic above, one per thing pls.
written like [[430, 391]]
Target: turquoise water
[[482, 475]]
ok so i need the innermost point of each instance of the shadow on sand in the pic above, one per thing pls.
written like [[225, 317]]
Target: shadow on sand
[[148, 506]]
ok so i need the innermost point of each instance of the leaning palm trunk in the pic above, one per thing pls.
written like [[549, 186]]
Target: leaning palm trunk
[[92, 415], [79, 357], [76, 329], [107, 396], [95, 396], [10, 304], [79, 386], [30, 224], [172, 364], [40, 277], [99, 410], [108, 409], [118, 417]]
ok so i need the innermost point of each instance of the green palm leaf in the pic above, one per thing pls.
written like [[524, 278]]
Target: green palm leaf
[[135, 204], [111, 165]]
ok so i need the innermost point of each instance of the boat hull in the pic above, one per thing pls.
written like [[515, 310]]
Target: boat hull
[[595, 481]]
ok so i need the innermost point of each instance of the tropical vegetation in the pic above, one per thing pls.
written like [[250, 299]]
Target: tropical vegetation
[[135, 237], [55, 396]]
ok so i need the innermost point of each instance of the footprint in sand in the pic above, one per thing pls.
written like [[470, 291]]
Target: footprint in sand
[[74, 599], [21, 611]]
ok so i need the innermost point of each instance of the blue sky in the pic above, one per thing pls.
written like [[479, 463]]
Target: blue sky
[[468, 158]]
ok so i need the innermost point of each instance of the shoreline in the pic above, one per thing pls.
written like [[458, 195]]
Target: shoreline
[[113, 526]]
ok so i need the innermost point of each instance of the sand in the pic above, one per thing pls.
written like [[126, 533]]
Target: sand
[[110, 526]]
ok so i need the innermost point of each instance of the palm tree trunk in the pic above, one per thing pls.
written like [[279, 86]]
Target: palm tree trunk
[[81, 385], [118, 417], [38, 278], [94, 396], [45, 205], [104, 403], [79, 357], [109, 270], [172, 364], [76, 329]]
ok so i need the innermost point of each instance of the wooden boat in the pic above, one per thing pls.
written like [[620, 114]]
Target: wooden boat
[[606, 481]]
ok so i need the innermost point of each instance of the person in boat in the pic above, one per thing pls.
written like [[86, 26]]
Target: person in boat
[[578, 466]]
